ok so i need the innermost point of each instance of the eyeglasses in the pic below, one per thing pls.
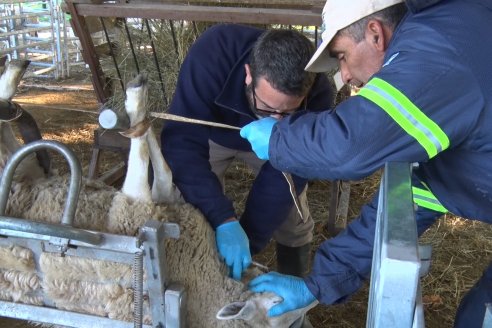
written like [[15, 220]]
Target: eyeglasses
[[264, 112]]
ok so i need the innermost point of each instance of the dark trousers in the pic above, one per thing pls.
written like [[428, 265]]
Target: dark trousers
[[471, 311]]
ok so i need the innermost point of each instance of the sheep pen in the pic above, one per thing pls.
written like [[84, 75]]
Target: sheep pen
[[461, 248]]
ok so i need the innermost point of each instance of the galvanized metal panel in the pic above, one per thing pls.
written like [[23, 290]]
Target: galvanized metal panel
[[396, 264]]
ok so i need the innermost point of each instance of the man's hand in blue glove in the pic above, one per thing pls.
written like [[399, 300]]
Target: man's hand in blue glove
[[258, 134], [292, 289], [233, 246]]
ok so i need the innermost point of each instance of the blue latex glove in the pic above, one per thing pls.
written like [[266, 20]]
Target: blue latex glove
[[292, 289], [233, 246], [258, 134]]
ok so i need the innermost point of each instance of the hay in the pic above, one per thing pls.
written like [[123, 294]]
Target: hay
[[169, 41]]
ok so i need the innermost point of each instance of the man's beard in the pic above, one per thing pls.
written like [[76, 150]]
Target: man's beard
[[248, 90]]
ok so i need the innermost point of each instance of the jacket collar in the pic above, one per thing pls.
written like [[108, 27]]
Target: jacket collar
[[232, 95]]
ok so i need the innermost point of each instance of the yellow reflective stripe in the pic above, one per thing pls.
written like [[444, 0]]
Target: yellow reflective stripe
[[427, 133], [424, 198]]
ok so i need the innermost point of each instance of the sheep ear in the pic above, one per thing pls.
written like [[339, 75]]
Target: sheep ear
[[237, 310]]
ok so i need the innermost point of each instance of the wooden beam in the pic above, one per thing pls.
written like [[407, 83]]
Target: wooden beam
[[88, 52], [237, 3], [305, 17]]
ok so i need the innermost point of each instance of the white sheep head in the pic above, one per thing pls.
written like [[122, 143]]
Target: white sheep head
[[254, 311]]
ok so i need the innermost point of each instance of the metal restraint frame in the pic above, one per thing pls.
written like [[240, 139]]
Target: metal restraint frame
[[147, 249]]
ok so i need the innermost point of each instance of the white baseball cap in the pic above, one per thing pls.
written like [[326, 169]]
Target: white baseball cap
[[338, 14]]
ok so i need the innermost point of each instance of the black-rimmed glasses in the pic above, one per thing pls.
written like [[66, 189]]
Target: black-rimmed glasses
[[264, 112]]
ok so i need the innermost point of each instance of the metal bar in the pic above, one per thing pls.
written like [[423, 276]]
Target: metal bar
[[131, 46], [156, 61], [195, 30], [75, 175], [59, 317], [27, 30], [202, 13], [396, 264], [106, 250], [55, 33], [24, 46], [37, 25], [66, 52], [155, 266], [49, 53], [418, 318], [175, 41], [112, 54], [33, 38], [25, 15], [48, 229]]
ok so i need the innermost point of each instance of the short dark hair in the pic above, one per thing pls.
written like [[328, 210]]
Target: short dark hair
[[280, 56], [390, 17]]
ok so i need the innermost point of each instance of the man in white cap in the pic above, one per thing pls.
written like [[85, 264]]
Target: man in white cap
[[425, 97]]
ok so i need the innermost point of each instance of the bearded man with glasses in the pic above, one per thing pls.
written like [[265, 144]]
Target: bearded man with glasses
[[235, 74]]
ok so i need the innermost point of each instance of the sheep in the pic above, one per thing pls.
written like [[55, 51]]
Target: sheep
[[10, 76], [103, 287]]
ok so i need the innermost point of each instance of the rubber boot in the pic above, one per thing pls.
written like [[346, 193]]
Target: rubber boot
[[293, 261]]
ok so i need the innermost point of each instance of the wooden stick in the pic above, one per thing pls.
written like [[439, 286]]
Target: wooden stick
[[171, 117]]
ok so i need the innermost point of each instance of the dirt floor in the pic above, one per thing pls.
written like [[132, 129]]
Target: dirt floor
[[67, 111]]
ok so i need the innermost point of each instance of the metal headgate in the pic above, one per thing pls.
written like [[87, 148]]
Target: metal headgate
[[146, 250]]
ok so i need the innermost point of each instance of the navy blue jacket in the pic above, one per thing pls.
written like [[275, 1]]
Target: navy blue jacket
[[211, 86], [440, 60]]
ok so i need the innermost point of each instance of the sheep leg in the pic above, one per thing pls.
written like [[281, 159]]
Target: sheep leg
[[163, 190], [136, 184], [135, 105], [29, 131], [11, 76], [136, 99], [3, 60], [29, 167]]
